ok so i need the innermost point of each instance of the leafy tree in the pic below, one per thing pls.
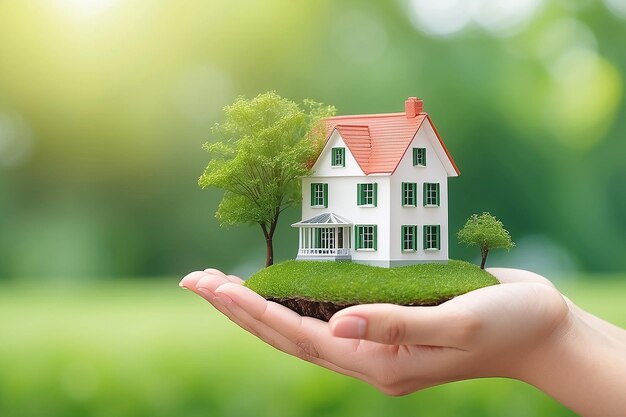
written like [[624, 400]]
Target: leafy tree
[[486, 232], [267, 143]]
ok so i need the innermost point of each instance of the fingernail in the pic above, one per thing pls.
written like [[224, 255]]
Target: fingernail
[[350, 327], [223, 298], [181, 285]]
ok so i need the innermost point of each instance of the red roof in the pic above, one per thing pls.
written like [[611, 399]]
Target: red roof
[[378, 141]]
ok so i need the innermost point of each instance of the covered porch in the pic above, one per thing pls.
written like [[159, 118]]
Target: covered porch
[[326, 237]]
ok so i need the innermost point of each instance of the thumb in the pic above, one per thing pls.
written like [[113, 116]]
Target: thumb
[[399, 325]]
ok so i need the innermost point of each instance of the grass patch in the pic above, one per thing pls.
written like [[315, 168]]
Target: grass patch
[[348, 283]]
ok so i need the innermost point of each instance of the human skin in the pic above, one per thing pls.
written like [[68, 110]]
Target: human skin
[[524, 329]]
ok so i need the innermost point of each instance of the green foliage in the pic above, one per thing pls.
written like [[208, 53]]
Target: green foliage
[[349, 283], [265, 147], [486, 232]]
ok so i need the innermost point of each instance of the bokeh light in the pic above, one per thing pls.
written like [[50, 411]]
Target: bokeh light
[[618, 7], [443, 18]]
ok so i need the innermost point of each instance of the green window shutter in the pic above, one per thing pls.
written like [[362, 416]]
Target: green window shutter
[[414, 238], [438, 237], [375, 194], [343, 157], [437, 191], [357, 238], [425, 240], [424, 194], [359, 194], [325, 195], [312, 194], [414, 156], [414, 187], [424, 157], [375, 237], [402, 237]]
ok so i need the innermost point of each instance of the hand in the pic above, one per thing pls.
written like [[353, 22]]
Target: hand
[[519, 329], [403, 349]]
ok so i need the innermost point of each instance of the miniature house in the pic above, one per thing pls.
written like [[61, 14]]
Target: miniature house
[[378, 191]]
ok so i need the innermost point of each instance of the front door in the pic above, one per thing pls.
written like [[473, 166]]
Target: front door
[[325, 239]]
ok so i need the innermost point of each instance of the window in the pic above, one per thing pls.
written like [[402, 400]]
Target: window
[[409, 194], [431, 237], [339, 157], [409, 238], [431, 194], [365, 237], [366, 194], [319, 195], [419, 157]]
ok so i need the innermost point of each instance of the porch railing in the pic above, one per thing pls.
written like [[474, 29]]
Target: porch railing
[[327, 252]]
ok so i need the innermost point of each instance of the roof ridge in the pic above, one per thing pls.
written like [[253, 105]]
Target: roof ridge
[[349, 125], [373, 115]]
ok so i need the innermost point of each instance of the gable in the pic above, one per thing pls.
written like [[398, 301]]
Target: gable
[[323, 165], [428, 138]]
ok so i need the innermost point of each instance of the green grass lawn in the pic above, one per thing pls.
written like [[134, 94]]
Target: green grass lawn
[[148, 348], [352, 283]]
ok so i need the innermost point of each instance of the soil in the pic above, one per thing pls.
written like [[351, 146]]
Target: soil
[[324, 310]]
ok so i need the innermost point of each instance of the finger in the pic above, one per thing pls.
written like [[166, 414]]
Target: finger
[[312, 337], [399, 325], [192, 279], [207, 286], [509, 275], [280, 342]]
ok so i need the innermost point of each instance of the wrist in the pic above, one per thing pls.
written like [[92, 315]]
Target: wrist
[[580, 366]]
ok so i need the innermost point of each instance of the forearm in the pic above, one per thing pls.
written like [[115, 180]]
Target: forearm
[[583, 367]]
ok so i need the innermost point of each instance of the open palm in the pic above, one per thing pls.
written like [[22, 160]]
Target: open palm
[[402, 349]]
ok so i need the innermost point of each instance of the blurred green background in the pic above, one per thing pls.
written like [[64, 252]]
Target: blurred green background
[[104, 105]]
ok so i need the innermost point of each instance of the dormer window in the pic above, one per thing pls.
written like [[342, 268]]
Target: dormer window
[[419, 157], [338, 157]]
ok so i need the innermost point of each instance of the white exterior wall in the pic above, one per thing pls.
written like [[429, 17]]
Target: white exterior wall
[[342, 200], [433, 172]]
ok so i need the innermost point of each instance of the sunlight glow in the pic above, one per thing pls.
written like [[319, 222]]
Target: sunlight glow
[[86, 7]]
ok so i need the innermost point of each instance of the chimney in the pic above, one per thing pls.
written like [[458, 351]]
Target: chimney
[[413, 106]]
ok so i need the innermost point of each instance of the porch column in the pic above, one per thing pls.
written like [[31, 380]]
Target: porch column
[[299, 239]]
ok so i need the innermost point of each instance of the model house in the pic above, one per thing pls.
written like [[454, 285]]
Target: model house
[[378, 192]]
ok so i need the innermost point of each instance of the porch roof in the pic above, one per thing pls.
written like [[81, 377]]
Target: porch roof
[[325, 219]]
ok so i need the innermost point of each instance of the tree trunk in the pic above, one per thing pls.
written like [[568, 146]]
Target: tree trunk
[[484, 252], [269, 257], [269, 245]]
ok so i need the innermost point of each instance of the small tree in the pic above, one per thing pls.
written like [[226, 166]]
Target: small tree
[[267, 144], [486, 232]]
